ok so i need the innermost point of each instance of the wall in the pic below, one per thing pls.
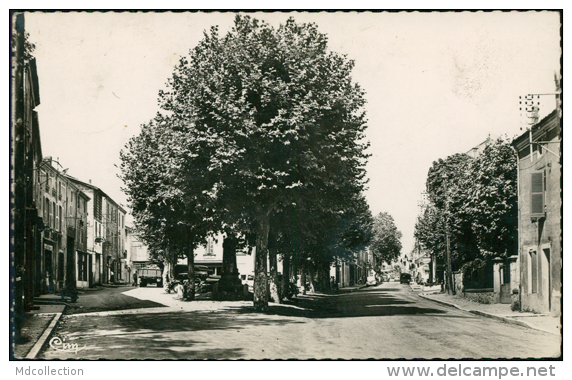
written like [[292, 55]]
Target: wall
[[540, 249]]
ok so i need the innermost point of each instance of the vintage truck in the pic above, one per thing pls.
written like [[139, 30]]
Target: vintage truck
[[150, 275]]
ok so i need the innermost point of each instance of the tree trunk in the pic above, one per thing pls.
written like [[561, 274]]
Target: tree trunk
[[320, 285], [260, 263], [190, 288], [311, 273], [303, 275], [273, 281], [285, 277], [324, 276], [170, 262]]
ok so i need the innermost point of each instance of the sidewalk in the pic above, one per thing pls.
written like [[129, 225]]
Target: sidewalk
[[501, 312], [41, 322], [37, 329]]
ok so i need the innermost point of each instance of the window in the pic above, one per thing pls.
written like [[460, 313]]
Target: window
[[55, 215], [537, 194], [47, 212], [533, 274], [59, 218], [51, 217]]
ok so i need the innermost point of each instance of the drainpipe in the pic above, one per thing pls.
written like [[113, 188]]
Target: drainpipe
[[518, 225]]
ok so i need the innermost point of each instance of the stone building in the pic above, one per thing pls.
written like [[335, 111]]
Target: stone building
[[106, 254], [62, 207], [25, 158], [540, 215]]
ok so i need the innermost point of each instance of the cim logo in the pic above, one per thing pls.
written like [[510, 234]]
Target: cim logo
[[59, 344]]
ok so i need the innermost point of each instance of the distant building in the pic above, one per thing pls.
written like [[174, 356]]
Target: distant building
[[106, 252], [540, 215], [354, 271], [210, 255], [137, 252]]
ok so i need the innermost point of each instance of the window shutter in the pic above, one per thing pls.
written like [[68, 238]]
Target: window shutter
[[537, 194]]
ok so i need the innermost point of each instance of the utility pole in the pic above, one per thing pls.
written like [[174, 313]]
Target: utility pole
[[449, 270]]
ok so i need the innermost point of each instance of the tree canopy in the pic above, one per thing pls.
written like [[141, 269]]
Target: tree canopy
[[476, 199], [257, 122], [386, 238]]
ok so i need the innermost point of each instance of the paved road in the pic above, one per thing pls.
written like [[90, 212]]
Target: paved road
[[386, 321]]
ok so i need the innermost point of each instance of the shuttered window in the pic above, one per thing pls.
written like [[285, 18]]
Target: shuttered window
[[537, 194]]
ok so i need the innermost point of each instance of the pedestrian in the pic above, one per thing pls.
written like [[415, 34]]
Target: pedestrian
[[49, 282], [135, 278]]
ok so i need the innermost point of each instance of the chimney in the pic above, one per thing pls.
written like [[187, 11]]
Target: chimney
[[90, 181]]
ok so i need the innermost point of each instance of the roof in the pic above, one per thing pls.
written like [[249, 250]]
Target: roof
[[545, 122], [90, 186]]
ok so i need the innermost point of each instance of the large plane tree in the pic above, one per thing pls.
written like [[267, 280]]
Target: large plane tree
[[272, 116]]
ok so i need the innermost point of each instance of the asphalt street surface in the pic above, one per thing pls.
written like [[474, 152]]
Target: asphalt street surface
[[388, 321]]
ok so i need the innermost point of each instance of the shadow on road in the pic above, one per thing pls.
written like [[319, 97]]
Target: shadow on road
[[164, 335], [365, 303], [181, 334]]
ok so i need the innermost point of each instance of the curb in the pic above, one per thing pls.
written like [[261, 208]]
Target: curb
[[44, 338], [488, 315]]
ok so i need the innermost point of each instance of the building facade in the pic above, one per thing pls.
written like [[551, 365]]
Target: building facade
[[105, 255], [25, 158], [62, 207], [540, 216]]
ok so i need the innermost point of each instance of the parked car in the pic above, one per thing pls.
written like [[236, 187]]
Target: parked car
[[371, 280], [207, 285], [405, 278], [201, 271]]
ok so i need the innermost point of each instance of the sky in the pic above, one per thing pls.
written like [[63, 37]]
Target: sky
[[436, 84]]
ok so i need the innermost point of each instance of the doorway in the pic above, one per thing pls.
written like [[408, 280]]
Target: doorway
[[545, 279], [49, 271]]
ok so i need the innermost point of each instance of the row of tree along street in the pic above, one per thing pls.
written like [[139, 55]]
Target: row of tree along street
[[472, 212], [260, 137]]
